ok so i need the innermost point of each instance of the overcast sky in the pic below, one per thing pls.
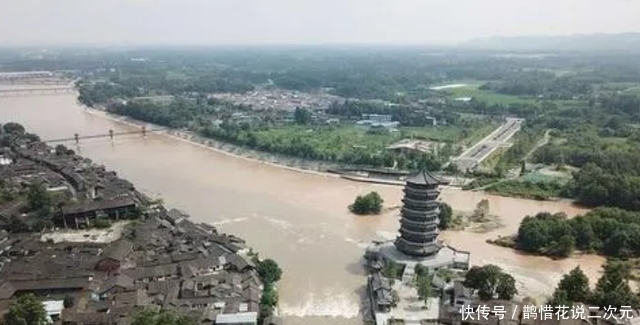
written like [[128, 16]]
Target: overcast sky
[[39, 22]]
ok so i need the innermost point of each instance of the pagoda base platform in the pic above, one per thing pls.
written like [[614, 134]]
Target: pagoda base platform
[[446, 257]]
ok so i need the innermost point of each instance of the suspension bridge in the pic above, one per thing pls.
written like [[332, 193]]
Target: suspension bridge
[[111, 134]]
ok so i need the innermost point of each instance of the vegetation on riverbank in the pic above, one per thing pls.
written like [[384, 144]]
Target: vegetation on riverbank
[[368, 204], [490, 282], [611, 291], [608, 231], [270, 273], [345, 144], [342, 142], [445, 216], [528, 189], [28, 309], [167, 317]]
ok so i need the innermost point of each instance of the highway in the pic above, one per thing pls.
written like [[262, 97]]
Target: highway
[[485, 147]]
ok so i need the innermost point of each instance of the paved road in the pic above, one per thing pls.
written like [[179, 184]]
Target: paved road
[[483, 149]]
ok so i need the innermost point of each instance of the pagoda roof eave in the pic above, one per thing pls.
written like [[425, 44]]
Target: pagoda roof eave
[[425, 177]]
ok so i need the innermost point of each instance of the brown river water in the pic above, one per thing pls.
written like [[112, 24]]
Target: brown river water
[[299, 219]]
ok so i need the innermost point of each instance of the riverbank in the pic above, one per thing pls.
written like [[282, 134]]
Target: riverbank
[[531, 197], [286, 162]]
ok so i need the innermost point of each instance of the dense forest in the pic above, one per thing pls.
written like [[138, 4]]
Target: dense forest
[[609, 231]]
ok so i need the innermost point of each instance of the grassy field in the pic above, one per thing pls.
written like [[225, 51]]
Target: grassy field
[[479, 133], [472, 89], [493, 159], [624, 87], [344, 138], [536, 177], [617, 141], [338, 139], [539, 190]]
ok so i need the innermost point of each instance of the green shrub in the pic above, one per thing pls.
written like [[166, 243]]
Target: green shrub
[[368, 204]]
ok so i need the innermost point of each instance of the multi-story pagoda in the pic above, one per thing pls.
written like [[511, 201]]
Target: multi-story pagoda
[[419, 223]]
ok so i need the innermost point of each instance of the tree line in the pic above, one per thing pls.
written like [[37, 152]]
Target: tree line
[[612, 289], [612, 232], [540, 83]]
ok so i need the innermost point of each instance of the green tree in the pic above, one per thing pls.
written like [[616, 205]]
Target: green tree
[[16, 225], [368, 204], [39, 200], [421, 270], [302, 116], [269, 271], [27, 310], [506, 288], [161, 317], [564, 246], [546, 233], [391, 270], [613, 287], [609, 231], [268, 301], [572, 288], [489, 281], [445, 216], [13, 128], [31, 137], [61, 150], [559, 298], [424, 288]]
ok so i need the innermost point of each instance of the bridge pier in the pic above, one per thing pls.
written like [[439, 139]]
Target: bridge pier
[[77, 137], [111, 134]]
